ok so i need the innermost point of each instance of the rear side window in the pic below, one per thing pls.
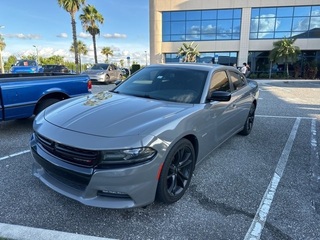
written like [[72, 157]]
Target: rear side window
[[220, 82], [237, 80]]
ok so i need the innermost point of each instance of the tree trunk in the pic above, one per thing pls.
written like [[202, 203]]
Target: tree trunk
[[75, 44], [270, 69], [94, 48]]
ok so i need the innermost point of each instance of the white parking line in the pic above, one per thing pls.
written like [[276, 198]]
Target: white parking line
[[14, 155], [260, 218], [290, 117], [315, 160], [28, 233]]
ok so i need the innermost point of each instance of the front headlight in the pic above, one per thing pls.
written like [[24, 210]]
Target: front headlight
[[127, 156]]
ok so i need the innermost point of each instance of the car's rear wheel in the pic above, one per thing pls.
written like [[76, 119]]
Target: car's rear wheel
[[249, 122], [176, 173]]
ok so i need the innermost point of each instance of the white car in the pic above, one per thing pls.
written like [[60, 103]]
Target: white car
[[104, 72]]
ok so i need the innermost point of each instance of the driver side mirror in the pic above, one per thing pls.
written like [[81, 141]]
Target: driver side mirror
[[221, 96]]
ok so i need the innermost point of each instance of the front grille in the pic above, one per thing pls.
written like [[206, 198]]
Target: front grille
[[76, 156]]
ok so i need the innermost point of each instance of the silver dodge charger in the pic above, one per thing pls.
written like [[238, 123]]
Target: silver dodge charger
[[141, 141]]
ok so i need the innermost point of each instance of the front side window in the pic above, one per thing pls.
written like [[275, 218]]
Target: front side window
[[220, 82]]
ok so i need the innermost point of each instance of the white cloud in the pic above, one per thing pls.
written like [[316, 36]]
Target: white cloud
[[84, 35], [62, 35], [23, 36], [114, 35]]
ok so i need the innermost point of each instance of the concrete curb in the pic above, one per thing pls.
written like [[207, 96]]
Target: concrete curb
[[29, 233]]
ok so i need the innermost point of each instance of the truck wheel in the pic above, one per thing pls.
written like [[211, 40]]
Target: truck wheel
[[44, 104]]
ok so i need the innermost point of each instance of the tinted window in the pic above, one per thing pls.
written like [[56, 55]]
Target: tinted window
[[26, 63], [237, 80], [100, 66], [220, 82]]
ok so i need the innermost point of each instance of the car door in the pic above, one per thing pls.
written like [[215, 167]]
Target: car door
[[219, 121], [241, 97]]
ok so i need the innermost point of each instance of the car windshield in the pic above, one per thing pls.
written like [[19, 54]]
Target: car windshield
[[26, 63], [100, 67], [166, 83]]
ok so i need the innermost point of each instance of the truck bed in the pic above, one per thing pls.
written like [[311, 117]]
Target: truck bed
[[25, 94]]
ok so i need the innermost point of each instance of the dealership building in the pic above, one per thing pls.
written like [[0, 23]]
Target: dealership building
[[233, 31]]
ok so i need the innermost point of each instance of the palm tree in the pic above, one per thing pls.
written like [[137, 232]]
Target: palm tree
[[90, 18], [188, 52], [284, 50], [108, 52], [82, 49], [73, 6], [2, 47]]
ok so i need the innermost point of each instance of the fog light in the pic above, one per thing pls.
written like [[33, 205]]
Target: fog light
[[114, 194]]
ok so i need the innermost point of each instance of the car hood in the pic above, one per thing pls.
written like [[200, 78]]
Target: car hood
[[23, 69], [94, 71], [113, 115]]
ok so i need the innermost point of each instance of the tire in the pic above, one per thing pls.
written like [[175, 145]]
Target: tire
[[176, 173], [249, 122], [44, 104], [107, 79]]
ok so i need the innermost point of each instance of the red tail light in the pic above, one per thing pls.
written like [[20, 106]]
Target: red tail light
[[89, 85]]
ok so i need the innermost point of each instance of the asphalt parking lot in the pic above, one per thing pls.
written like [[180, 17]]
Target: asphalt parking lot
[[263, 186]]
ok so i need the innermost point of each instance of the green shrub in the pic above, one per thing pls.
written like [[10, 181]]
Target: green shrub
[[135, 67], [263, 75], [253, 76]]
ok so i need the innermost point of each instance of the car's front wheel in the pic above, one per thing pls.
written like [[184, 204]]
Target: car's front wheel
[[107, 79], [249, 122], [176, 173]]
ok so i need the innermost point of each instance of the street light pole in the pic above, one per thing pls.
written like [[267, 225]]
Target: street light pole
[[1, 60], [37, 53], [146, 57]]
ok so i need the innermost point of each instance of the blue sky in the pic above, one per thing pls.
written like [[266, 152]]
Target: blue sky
[[47, 26]]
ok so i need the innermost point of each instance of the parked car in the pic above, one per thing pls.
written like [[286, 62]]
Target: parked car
[[104, 72], [23, 95], [125, 71], [26, 66], [141, 141], [55, 68]]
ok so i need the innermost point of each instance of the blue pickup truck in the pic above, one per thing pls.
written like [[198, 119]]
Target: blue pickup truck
[[24, 95], [26, 66]]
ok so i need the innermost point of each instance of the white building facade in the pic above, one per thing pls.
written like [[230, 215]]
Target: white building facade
[[234, 31]]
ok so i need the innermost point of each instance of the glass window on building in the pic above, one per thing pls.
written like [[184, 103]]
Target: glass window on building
[[304, 67], [280, 22], [224, 58], [204, 25]]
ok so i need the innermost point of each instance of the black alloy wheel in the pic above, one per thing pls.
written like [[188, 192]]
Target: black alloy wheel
[[249, 122], [176, 172]]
